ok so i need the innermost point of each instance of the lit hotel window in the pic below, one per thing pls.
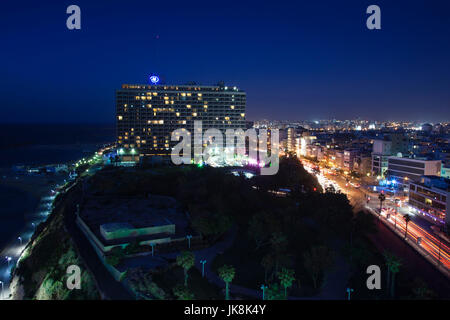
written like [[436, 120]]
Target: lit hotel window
[[120, 117]]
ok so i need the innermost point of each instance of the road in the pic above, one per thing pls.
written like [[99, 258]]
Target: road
[[419, 231]]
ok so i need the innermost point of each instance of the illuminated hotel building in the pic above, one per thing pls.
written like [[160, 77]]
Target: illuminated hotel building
[[146, 115]]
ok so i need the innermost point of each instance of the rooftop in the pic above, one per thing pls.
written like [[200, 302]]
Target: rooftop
[[116, 213]]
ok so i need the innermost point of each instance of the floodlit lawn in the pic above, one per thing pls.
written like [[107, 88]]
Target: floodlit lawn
[[200, 287]]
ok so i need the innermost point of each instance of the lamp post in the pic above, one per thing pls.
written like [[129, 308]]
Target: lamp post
[[8, 259], [153, 248], [189, 237], [20, 239], [1, 296], [203, 267], [349, 291], [396, 213], [263, 288]]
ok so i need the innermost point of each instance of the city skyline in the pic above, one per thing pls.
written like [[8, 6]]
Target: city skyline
[[294, 61], [223, 155]]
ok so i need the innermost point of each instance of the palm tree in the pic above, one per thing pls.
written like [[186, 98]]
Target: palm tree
[[390, 260], [382, 198], [317, 261], [227, 274], [393, 264], [186, 260], [279, 243], [267, 263], [407, 219], [286, 277]]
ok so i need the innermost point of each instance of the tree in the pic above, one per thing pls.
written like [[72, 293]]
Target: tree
[[226, 273], [115, 256], [316, 261], [275, 292], [268, 263], [382, 198], [256, 231], [393, 266], [407, 219], [286, 277], [186, 260], [183, 293], [279, 244]]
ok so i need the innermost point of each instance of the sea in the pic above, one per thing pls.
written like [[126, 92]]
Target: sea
[[22, 196]]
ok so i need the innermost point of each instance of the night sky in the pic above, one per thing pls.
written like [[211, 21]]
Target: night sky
[[296, 60]]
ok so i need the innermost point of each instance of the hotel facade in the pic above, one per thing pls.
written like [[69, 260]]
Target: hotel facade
[[146, 115]]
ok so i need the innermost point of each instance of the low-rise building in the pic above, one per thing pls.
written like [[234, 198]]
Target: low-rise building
[[349, 158], [430, 196], [412, 169], [115, 222]]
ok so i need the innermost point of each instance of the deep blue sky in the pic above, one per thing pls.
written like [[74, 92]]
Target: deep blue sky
[[295, 60]]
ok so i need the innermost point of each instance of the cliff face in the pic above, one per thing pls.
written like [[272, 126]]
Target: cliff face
[[41, 271]]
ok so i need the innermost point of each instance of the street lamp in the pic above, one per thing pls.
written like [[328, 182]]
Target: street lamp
[[20, 239], [153, 247], [8, 259], [189, 237], [263, 288], [349, 291], [203, 267], [1, 296]]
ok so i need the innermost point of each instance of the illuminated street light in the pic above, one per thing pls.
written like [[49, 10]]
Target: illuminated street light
[[153, 248], [203, 267], [263, 288], [1, 296], [349, 291], [20, 239], [189, 237]]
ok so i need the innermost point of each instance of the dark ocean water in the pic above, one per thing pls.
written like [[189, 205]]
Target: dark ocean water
[[38, 145], [32, 144]]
